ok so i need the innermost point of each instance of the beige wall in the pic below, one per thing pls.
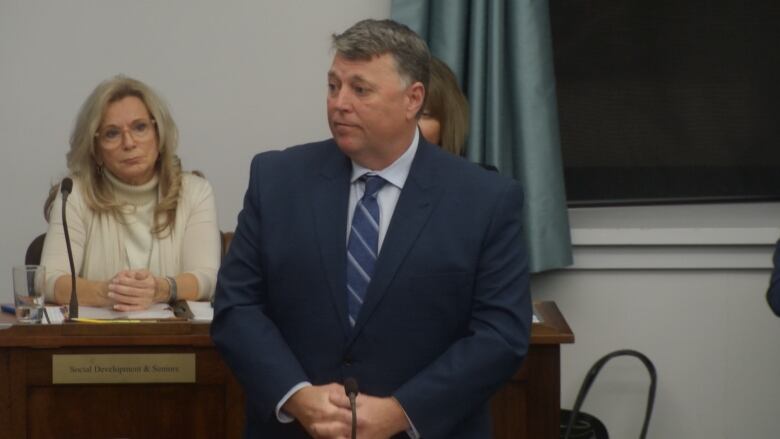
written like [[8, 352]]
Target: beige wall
[[241, 77], [710, 334], [247, 76], [686, 286]]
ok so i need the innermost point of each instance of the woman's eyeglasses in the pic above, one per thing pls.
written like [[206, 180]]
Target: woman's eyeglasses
[[110, 136]]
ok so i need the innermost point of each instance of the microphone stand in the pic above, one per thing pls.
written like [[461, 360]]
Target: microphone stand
[[73, 307], [351, 388], [354, 415]]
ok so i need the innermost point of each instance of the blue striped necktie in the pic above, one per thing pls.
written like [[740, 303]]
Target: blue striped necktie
[[362, 247]]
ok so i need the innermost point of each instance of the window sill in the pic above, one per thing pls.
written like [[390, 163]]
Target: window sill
[[712, 236]]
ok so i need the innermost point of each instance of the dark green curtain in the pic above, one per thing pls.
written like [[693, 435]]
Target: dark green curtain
[[501, 51]]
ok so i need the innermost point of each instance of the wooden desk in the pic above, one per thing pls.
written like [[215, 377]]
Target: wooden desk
[[529, 405], [32, 407], [212, 407]]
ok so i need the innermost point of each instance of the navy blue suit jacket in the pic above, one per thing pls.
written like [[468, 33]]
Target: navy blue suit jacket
[[773, 293], [446, 318]]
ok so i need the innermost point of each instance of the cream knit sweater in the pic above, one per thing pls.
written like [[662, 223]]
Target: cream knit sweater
[[102, 245]]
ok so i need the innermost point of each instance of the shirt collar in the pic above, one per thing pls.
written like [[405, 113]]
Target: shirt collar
[[397, 172]]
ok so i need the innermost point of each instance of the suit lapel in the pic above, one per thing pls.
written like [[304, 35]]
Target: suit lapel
[[330, 195], [417, 200]]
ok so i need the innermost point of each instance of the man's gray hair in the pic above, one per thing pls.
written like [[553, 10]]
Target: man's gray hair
[[367, 39]]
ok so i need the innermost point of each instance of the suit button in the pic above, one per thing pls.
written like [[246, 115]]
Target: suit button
[[347, 360]]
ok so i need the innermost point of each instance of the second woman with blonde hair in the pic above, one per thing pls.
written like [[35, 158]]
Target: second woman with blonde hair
[[142, 231], [445, 118]]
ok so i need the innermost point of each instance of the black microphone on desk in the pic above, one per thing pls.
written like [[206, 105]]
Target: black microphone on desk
[[351, 389], [73, 309]]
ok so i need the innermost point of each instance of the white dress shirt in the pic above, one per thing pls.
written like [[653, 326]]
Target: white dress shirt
[[387, 198]]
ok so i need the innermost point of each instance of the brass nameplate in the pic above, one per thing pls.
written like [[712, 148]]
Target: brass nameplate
[[122, 368]]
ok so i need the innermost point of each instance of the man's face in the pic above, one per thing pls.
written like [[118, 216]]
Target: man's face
[[371, 113]]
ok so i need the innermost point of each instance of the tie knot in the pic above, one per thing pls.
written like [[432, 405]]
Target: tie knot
[[373, 184]]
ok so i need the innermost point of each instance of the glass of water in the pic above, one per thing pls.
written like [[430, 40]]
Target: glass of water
[[29, 281]]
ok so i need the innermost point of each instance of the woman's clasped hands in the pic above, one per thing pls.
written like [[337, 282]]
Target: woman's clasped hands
[[134, 290]]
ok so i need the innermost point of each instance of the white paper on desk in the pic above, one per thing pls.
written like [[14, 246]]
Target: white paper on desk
[[201, 311], [54, 314], [156, 311]]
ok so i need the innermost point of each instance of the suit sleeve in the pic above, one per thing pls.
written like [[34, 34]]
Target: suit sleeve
[[469, 372], [773, 293], [242, 330]]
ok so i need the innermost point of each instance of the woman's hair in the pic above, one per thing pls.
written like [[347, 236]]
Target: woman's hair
[[447, 104], [82, 157]]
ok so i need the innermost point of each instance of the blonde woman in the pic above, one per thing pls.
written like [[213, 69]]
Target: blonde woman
[[142, 231], [445, 119]]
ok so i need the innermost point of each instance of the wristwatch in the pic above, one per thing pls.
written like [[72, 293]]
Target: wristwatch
[[173, 289]]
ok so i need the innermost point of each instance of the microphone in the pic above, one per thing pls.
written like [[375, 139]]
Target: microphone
[[351, 389], [73, 309]]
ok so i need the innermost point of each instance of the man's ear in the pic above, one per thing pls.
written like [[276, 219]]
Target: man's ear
[[415, 96]]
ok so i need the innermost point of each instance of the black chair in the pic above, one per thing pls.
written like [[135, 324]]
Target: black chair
[[578, 425], [225, 238], [34, 250], [586, 426]]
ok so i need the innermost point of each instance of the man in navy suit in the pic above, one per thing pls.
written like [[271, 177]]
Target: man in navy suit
[[430, 323]]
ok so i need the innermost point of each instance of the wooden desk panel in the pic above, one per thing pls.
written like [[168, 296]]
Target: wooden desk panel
[[33, 407], [212, 407], [528, 406]]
